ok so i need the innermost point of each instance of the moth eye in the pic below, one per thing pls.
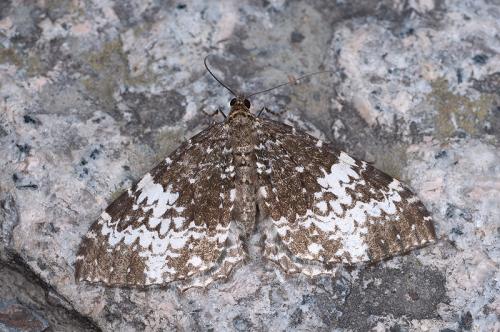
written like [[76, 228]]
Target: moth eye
[[246, 102], [232, 102]]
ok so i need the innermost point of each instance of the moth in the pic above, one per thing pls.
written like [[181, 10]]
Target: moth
[[191, 217]]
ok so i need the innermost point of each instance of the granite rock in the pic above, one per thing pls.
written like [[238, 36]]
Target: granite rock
[[94, 93]]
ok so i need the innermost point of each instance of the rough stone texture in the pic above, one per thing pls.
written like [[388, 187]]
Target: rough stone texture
[[15, 317], [93, 93]]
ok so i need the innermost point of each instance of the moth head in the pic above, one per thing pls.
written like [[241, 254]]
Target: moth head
[[239, 102]]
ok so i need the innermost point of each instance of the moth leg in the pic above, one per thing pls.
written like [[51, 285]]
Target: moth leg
[[214, 113], [267, 110]]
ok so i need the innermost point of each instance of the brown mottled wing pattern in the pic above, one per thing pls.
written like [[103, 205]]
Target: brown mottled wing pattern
[[171, 225], [328, 207]]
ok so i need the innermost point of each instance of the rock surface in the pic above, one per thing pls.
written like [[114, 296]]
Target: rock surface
[[15, 317], [94, 93]]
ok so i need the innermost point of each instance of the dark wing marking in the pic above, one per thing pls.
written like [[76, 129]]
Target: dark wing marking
[[171, 225], [328, 207]]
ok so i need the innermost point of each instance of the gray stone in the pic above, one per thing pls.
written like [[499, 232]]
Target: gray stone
[[29, 304], [92, 96], [15, 317]]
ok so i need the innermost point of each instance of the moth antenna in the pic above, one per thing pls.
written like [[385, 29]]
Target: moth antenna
[[295, 80], [213, 75]]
